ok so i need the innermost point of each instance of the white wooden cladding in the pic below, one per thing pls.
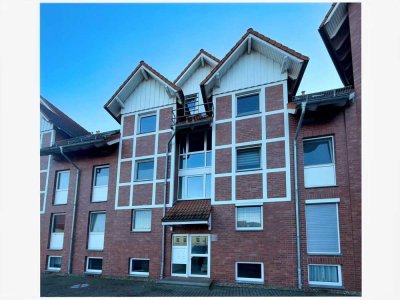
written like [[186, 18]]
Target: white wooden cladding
[[250, 70], [192, 84], [148, 94], [322, 228], [45, 125]]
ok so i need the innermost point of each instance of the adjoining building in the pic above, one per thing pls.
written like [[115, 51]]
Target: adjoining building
[[223, 174]]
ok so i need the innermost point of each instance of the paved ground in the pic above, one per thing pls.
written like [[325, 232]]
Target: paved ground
[[53, 285]]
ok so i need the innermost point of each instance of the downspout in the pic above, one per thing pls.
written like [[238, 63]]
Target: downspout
[[78, 172], [303, 110], [164, 205]]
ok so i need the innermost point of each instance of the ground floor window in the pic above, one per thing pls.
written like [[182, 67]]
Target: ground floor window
[[250, 272], [94, 265], [325, 275], [54, 263], [249, 218], [139, 266]]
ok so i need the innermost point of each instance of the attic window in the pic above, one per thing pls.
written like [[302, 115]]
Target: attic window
[[147, 123]]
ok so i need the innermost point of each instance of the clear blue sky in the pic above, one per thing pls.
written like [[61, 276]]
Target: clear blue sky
[[88, 50]]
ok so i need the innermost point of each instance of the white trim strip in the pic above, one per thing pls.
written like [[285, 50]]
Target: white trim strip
[[318, 201]]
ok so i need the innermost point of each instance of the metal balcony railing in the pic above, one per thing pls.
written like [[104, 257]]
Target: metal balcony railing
[[192, 112], [324, 95]]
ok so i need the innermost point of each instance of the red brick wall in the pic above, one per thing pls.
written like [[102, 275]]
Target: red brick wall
[[275, 126], [223, 190], [142, 194], [223, 107], [223, 134], [248, 130], [223, 160], [274, 97], [129, 126], [249, 187], [145, 145], [275, 155]]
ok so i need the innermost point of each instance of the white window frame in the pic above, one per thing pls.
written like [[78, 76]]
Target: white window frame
[[333, 164], [57, 190], [323, 283], [55, 234], [249, 280], [138, 274], [185, 185], [247, 94], [52, 269], [96, 234], [100, 186], [139, 125], [133, 229], [137, 169], [92, 271], [204, 151], [249, 228], [259, 147], [335, 202]]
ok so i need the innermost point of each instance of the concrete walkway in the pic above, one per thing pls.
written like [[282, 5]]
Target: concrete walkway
[[53, 285]]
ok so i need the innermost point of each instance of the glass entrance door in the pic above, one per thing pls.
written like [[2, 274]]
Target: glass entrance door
[[190, 255]]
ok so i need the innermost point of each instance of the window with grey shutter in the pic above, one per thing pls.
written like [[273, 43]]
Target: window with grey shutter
[[248, 159], [322, 228]]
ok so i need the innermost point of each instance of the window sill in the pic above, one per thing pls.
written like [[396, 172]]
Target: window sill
[[249, 281], [249, 229], [95, 250], [98, 201], [324, 254], [143, 180], [138, 230], [49, 249], [53, 271], [321, 186], [248, 114], [93, 273], [59, 204], [323, 286], [139, 275], [249, 170]]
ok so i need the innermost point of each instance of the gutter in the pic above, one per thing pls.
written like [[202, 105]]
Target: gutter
[[296, 184], [164, 205], [78, 172]]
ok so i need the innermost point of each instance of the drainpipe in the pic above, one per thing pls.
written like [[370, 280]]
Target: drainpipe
[[164, 205], [303, 110], [78, 172]]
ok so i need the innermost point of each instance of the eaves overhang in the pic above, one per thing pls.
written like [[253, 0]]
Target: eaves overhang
[[189, 212], [142, 72], [88, 142]]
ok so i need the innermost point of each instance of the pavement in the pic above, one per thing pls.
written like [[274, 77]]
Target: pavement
[[55, 285]]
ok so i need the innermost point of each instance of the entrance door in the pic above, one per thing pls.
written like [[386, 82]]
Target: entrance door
[[191, 255]]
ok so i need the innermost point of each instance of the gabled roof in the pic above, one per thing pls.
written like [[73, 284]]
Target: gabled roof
[[201, 57], [113, 106], [296, 62], [61, 120], [335, 33]]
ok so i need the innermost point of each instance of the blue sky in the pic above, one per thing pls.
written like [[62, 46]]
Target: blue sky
[[88, 50]]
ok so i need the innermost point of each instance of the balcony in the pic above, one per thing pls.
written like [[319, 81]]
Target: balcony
[[193, 112]]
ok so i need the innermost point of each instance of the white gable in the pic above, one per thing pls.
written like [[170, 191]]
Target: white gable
[[192, 84], [250, 70], [148, 94]]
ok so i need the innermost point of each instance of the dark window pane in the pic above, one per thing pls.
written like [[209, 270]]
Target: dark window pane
[[208, 159], [195, 160], [180, 195], [95, 263], [191, 106], [249, 270], [199, 245], [101, 176], [179, 268], [199, 266], [140, 265], [147, 124], [59, 223], [195, 187], [209, 140], [248, 105], [98, 222], [248, 217], [145, 170], [208, 186], [317, 152], [63, 180], [248, 159], [182, 144], [196, 141], [324, 273], [179, 240], [55, 262]]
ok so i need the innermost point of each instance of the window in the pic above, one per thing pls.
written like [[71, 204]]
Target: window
[[54, 263], [62, 182], [141, 220], [250, 272], [319, 162], [325, 275], [249, 218], [195, 165], [322, 227], [247, 105], [144, 170], [195, 187], [94, 265], [57, 231], [139, 266], [248, 159], [97, 227], [147, 123], [100, 184]]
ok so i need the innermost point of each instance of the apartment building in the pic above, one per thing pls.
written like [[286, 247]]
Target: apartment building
[[223, 174]]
